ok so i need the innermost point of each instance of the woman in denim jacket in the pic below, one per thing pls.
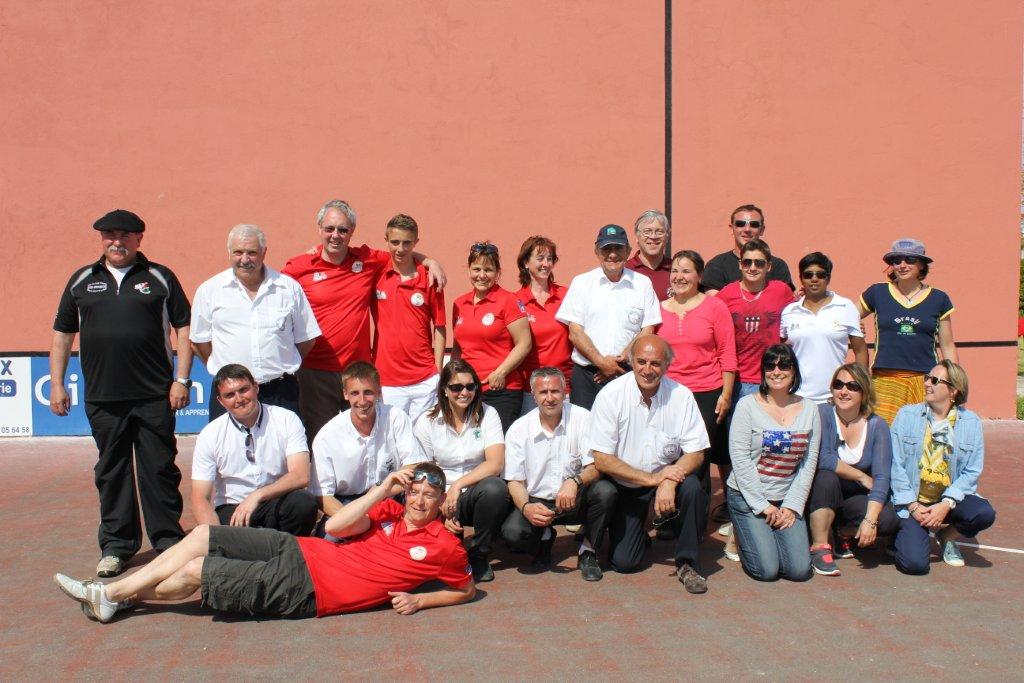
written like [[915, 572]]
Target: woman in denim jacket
[[937, 455]]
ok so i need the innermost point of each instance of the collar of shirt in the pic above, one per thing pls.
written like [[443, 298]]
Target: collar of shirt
[[625, 281], [433, 528], [391, 271], [319, 256], [659, 398], [635, 263], [271, 278], [258, 424], [101, 264], [538, 430], [555, 294], [489, 296], [832, 302]]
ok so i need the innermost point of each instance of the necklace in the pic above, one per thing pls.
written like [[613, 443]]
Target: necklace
[[850, 422], [750, 301], [910, 297]]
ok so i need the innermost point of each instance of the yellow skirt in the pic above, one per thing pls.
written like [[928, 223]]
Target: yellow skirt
[[895, 389]]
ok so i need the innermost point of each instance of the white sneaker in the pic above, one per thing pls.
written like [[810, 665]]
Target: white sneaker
[[109, 566], [90, 593], [725, 529]]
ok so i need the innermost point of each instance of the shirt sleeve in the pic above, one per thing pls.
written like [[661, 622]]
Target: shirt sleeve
[[409, 449], [513, 309], [725, 337], [796, 496], [904, 491], [515, 462], [379, 258], [304, 322], [493, 434], [828, 449], [604, 425], [946, 306], [714, 275], [178, 309], [868, 299], [780, 272], [851, 319], [296, 440], [786, 319], [389, 508], [573, 308], [66, 320], [652, 307], [881, 459], [204, 462], [437, 313], [202, 317], [456, 571], [740, 453], [323, 481], [421, 430], [586, 457], [693, 434]]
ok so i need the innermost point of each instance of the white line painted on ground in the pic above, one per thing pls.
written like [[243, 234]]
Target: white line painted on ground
[[991, 547]]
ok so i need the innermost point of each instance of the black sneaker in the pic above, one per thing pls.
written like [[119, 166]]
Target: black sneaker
[[844, 548], [588, 566], [482, 572], [822, 560]]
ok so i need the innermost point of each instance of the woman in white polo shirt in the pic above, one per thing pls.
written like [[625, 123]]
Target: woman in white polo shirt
[[820, 327], [464, 437]]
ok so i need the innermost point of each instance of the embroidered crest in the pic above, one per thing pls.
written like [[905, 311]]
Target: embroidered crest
[[417, 552], [381, 295], [417, 299], [387, 527], [357, 267], [96, 287], [143, 288], [488, 319], [319, 275]]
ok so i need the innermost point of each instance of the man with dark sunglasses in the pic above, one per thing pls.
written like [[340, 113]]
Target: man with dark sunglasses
[[250, 466], [747, 223], [393, 549]]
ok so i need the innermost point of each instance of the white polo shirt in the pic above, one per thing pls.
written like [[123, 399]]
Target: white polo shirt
[[611, 313], [347, 463], [820, 341], [259, 333], [219, 454], [458, 453], [647, 439], [543, 459]]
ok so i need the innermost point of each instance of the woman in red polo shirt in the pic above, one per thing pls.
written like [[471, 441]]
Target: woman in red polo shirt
[[542, 297], [492, 334]]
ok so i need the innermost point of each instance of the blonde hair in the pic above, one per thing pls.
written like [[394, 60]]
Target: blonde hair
[[957, 376], [868, 399]]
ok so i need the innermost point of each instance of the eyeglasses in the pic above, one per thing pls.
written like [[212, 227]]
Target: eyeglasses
[[935, 380], [838, 384], [909, 260], [340, 229], [781, 364], [250, 447], [429, 477], [814, 275], [753, 262], [652, 233], [743, 224], [483, 248], [468, 386]]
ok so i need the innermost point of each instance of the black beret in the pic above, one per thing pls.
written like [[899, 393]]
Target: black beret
[[119, 219]]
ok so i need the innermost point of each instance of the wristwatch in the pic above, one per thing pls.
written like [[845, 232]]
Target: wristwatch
[[579, 481], [951, 502], [184, 381]]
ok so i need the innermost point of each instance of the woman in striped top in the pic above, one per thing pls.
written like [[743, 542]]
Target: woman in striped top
[[773, 445]]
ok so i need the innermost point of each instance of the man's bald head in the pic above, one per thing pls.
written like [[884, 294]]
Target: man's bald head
[[654, 343]]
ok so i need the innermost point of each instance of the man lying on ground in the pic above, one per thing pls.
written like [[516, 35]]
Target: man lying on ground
[[252, 571]]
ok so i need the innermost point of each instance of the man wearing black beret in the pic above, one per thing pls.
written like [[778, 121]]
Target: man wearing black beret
[[124, 305]]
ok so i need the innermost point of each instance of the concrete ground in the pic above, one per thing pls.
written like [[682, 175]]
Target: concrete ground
[[872, 622]]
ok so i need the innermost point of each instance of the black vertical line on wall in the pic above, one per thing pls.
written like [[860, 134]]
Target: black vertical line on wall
[[668, 121]]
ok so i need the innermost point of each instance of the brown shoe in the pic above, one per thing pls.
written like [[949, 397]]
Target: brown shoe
[[692, 581]]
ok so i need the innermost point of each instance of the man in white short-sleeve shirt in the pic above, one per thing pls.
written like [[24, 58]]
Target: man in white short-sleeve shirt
[[252, 315], [647, 434], [552, 479], [360, 446], [821, 327], [250, 467], [605, 309]]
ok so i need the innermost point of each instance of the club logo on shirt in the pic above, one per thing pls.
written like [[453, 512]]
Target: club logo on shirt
[[634, 317], [96, 287], [381, 295], [458, 321], [357, 267], [906, 324], [143, 288], [318, 276], [469, 569], [751, 323], [387, 527], [416, 299], [531, 318], [417, 553], [488, 319], [522, 307]]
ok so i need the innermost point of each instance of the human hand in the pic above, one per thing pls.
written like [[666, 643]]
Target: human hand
[[451, 501], [866, 481], [538, 514], [866, 533], [396, 482], [404, 603], [453, 526], [60, 404], [178, 396], [495, 380], [935, 515], [785, 519], [565, 499], [722, 408], [607, 368], [770, 515], [675, 472], [665, 498], [243, 513], [435, 273]]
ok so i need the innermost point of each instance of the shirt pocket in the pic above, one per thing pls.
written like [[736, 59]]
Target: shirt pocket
[[667, 449], [633, 319], [276, 318]]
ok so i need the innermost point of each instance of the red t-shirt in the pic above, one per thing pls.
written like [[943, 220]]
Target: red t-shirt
[[387, 557], [340, 298], [481, 331], [755, 320], [405, 314], [704, 344], [551, 345]]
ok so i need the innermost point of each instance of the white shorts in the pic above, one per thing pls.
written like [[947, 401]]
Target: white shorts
[[414, 399]]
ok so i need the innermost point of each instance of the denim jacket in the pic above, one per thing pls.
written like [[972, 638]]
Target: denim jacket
[[907, 441]]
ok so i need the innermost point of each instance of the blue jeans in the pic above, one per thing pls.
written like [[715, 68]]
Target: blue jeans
[[768, 553], [913, 544]]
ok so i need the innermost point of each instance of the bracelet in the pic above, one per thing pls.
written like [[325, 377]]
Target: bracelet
[[874, 525]]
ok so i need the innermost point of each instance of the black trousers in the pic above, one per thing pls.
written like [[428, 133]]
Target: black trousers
[[294, 513], [594, 506], [508, 403], [849, 500], [627, 535], [283, 391], [718, 435], [147, 428], [483, 506], [584, 387], [320, 531]]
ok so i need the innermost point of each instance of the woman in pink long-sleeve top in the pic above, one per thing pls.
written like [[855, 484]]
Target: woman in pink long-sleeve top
[[699, 329]]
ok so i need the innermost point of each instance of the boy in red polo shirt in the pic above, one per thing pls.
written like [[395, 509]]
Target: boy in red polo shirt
[[409, 315], [393, 549]]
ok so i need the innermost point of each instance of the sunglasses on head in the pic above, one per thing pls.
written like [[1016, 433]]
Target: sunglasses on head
[[755, 262], [838, 384], [429, 477], [909, 260], [483, 248], [781, 364], [458, 387], [814, 275], [743, 224], [935, 380], [340, 229]]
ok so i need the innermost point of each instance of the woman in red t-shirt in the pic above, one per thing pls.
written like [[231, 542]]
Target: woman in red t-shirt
[[542, 297], [492, 333]]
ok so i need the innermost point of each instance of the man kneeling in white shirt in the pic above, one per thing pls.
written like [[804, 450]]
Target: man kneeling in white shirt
[[359, 447], [552, 478], [250, 466]]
